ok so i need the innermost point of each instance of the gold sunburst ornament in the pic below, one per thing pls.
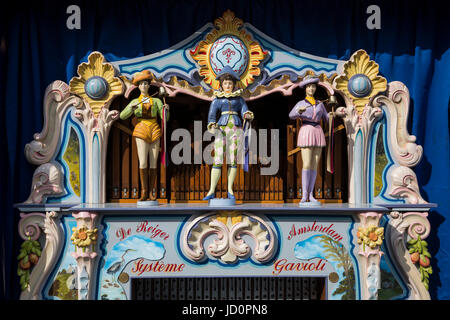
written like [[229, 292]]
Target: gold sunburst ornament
[[360, 80], [228, 45], [96, 83]]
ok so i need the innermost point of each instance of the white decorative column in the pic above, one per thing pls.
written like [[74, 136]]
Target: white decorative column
[[97, 131], [370, 237], [84, 237], [97, 86], [358, 85]]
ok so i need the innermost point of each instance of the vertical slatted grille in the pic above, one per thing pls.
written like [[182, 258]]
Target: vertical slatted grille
[[236, 288], [191, 182]]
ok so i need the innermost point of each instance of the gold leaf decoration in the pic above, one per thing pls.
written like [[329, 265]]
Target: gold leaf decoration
[[96, 67], [229, 25], [364, 70]]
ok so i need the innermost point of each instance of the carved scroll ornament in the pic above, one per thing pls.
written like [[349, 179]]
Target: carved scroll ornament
[[228, 245], [402, 145], [50, 253], [57, 101], [47, 180], [404, 185], [404, 225]]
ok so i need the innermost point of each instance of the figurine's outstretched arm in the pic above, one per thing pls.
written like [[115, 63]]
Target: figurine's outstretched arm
[[295, 112], [129, 110], [245, 110]]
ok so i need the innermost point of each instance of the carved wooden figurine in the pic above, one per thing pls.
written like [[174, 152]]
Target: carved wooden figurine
[[311, 138], [231, 107], [147, 132]]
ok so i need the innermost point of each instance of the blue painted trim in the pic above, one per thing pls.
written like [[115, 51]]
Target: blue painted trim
[[188, 65], [271, 47], [355, 260], [96, 156], [384, 221], [391, 162], [69, 123], [358, 157], [102, 260], [371, 162], [55, 270], [132, 67]]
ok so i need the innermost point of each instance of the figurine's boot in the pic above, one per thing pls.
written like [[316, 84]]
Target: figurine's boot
[[232, 171], [215, 176], [305, 185], [152, 189], [143, 173], [312, 182]]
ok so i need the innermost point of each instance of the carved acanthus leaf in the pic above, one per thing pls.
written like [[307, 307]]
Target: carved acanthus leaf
[[57, 101], [229, 245], [403, 184], [48, 179], [403, 147], [415, 224]]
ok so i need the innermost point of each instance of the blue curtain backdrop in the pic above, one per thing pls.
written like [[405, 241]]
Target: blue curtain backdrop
[[36, 48]]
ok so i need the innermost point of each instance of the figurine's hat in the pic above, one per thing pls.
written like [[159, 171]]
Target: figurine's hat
[[307, 80], [143, 75], [228, 70]]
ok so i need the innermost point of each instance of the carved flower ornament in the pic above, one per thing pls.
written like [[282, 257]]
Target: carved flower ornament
[[360, 80], [372, 236], [96, 83], [83, 237]]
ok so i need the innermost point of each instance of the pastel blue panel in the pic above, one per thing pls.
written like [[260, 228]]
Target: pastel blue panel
[[95, 169]]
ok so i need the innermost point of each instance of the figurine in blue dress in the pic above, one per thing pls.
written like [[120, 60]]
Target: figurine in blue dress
[[230, 107]]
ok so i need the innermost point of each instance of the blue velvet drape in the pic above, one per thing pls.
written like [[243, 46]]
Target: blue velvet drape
[[36, 48]]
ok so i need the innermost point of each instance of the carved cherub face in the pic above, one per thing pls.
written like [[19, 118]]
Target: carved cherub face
[[144, 85], [310, 89]]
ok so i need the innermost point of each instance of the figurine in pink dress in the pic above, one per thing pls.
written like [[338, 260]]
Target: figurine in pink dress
[[311, 138]]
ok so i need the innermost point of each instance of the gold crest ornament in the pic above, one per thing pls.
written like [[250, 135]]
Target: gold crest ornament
[[232, 46], [96, 83], [360, 80]]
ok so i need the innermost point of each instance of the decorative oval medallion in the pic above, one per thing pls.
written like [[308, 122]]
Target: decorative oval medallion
[[229, 50], [96, 87], [360, 85]]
